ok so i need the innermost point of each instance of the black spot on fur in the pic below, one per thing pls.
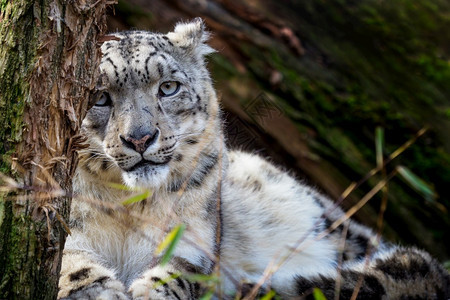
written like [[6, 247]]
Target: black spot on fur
[[205, 165], [73, 291], [185, 266], [107, 210], [404, 266], [272, 176], [304, 287], [246, 288], [146, 65], [75, 223], [256, 185], [91, 155], [179, 112], [371, 288], [105, 164], [317, 200], [156, 279], [111, 62], [160, 70], [363, 244], [327, 223], [180, 283], [211, 207], [101, 280], [80, 274], [88, 169], [196, 288], [392, 268], [175, 185], [419, 267], [175, 294], [192, 142], [345, 256]]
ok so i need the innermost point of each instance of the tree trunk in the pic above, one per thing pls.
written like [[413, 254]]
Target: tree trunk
[[48, 66]]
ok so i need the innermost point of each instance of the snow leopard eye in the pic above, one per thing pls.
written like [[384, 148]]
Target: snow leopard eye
[[105, 100], [169, 88]]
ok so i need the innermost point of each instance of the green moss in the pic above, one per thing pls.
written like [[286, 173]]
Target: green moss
[[16, 238], [14, 59], [222, 68], [133, 15], [3, 4], [2, 208]]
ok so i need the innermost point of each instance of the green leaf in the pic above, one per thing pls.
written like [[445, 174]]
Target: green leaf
[[379, 145], [269, 295], [137, 198], [121, 187], [201, 278], [417, 183], [447, 265], [207, 296], [169, 242], [165, 280], [318, 295]]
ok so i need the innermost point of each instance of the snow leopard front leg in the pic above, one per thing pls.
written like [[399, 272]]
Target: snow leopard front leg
[[167, 282], [83, 278]]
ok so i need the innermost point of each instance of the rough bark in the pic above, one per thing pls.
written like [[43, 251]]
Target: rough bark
[[48, 66]]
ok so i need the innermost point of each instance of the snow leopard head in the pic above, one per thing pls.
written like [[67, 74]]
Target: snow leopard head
[[158, 109]]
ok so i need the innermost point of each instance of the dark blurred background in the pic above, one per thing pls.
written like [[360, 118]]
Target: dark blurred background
[[307, 82]]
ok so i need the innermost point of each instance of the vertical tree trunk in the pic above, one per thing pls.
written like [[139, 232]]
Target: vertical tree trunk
[[48, 66]]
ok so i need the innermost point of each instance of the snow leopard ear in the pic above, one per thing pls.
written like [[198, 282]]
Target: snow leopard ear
[[191, 36]]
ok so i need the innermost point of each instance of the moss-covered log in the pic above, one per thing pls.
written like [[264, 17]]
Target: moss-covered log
[[48, 66]]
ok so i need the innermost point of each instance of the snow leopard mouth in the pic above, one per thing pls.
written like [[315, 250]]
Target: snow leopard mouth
[[149, 163]]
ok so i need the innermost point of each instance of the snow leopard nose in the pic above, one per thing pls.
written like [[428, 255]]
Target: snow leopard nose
[[142, 143]]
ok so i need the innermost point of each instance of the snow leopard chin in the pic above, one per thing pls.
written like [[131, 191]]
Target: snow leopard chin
[[147, 177]]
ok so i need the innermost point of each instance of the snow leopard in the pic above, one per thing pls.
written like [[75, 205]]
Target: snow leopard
[[157, 127]]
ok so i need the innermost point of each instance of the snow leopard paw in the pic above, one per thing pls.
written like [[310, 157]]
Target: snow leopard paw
[[102, 289], [163, 283], [81, 278]]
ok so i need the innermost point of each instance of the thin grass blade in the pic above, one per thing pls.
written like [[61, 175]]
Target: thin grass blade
[[318, 294], [269, 295], [121, 187], [379, 145], [207, 296], [418, 184], [137, 198], [201, 278], [170, 242], [165, 280]]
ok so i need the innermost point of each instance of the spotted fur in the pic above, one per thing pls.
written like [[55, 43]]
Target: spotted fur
[[157, 126]]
